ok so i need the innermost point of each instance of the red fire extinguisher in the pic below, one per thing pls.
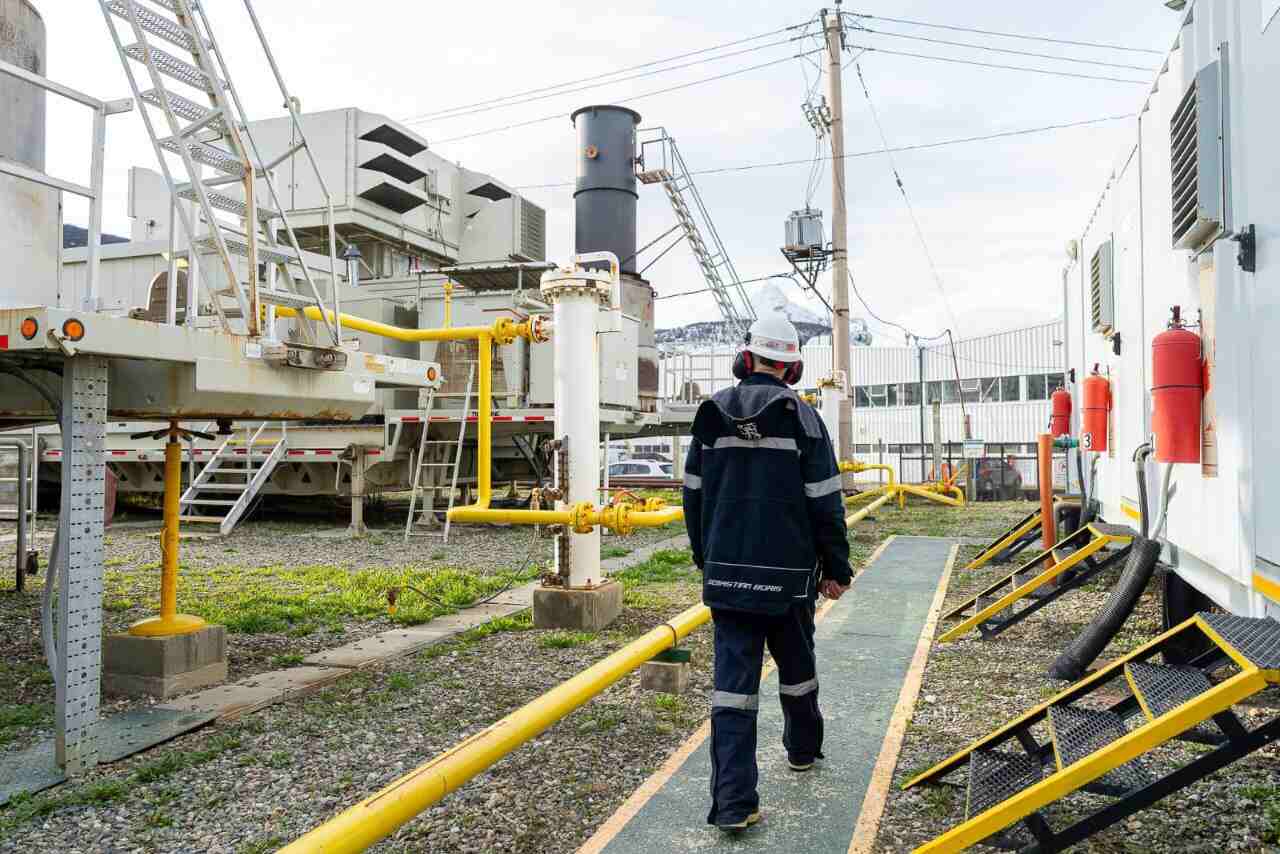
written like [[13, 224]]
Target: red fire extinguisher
[[1060, 415], [1177, 391], [1095, 394]]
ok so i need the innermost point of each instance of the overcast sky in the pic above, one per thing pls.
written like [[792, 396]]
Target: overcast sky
[[995, 214]]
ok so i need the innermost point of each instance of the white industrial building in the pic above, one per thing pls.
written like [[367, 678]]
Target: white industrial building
[[1000, 382]]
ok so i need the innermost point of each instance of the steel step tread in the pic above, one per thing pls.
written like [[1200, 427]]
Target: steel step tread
[[238, 244], [1162, 688], [213, 502], [1078, 733], [224, 161], [1257, 639], [171, 66], [994, 777], [201, 520], [230, 204], [184, 107], [1110, 530], [157, 24], [221, 487]]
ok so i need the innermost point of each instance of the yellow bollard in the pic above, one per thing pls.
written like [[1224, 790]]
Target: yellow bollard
[[170, 622]]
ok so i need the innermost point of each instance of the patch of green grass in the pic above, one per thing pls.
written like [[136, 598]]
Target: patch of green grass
[[262, 846], [297, 600], [600, 720], [26, 808], [939, 801], [115, 561], [157, 819], [399, 682], [520, 622], [614, 551], [117, 605], [672, 704], [664, 567], [438, 555], [279, 759], [561, 639], [286, 659], [1268, 797], [23, 716]]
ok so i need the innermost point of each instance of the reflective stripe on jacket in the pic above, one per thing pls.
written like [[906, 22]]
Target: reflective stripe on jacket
[[762, 499]]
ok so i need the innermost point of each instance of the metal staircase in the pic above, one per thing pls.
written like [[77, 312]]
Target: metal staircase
[[232, 479], [713, 259], [1052, 573], [1020, 535], [422, 498], [210, 130], [1086, 740]]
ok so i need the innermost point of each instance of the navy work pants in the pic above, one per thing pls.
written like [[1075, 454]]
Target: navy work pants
[[740, 639]]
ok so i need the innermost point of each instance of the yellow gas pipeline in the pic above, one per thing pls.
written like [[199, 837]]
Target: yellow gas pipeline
[[378, 816]]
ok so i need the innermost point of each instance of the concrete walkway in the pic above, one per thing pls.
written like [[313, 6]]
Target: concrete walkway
[[869, 648]]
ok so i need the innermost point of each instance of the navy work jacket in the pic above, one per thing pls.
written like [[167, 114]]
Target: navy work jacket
[[762, 499]]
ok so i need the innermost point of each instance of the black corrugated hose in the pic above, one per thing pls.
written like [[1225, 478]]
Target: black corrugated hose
[[1138, 569]]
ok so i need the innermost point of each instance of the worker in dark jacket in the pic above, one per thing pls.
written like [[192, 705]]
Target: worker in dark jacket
[[765, 514]]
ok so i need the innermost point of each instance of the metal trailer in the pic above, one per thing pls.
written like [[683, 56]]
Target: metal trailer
[[1191, 217]]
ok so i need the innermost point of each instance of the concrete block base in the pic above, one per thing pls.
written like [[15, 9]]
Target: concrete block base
[[667, 677], [164, 667], [589, 609]]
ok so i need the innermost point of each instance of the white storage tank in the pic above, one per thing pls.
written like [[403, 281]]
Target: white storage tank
[[30, 216]]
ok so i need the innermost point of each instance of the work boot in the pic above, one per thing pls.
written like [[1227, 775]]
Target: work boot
[[736, 826]]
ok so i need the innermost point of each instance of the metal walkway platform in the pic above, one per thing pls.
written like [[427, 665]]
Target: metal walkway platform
[[866, 646]]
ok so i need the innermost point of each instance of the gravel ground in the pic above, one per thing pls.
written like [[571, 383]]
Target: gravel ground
[[971, 687], [285, 583], [249, 786]]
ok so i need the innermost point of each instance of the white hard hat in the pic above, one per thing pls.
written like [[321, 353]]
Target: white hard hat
[[773, 337]]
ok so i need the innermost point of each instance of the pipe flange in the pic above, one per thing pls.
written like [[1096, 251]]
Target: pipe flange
[[568, 282], [582, 520], [539, 329], [617, 518]]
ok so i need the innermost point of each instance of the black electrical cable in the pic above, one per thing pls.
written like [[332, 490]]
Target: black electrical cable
[[576, 81], [1010, 51], [634, 98], [633, 255], [1023, 68], [1022, 36], [422, 120], [672, 245], [748, 167]]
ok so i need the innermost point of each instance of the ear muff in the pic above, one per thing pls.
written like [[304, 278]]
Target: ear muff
[[743, 364], [795, 371]]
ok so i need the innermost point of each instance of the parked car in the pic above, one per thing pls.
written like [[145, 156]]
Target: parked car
[[640, 468], [997, 479]]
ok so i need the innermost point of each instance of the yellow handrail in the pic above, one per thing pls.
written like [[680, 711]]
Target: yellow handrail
[[377, 817], [855, 467]]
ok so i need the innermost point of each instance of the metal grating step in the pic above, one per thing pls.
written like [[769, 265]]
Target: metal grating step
[[170, 66], [1162, 688], [185, 108], [230, 204], [157, 24], [994, 777], [1078, 733], [223, 161], [220, 487], [238, 245], [1113, 530], [1256, 639]]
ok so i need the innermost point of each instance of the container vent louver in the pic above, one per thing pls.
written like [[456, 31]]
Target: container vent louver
[[1196, 146], [1102, 289], [533, 231]]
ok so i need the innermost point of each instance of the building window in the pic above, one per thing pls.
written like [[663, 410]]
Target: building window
[[935, 392], [860, 396], [891, 395], [1036, 387], [990, 389], [910, 395], [862, 449], [1010, 388], [951, 392], [1056, 381], [971, 390]]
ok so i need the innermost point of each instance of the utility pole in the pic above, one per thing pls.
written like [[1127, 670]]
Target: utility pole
[[923, 386], [833, 26]]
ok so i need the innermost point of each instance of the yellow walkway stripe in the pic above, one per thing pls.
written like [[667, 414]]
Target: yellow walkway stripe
[[864, 833]]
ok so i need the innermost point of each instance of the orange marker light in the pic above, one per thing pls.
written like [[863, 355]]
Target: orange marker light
[[73, 329], [29, 328]]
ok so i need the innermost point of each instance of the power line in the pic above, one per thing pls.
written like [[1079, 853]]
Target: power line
[[1007, 35], [747, 167], [576, 81], [559, 116], [915, 221], [557, 94], [1025, 68], [1010, 51]]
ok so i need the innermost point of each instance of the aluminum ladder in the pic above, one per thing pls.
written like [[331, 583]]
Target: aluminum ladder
[[421, 463], [232, 479], [210, 129], [713, 259]]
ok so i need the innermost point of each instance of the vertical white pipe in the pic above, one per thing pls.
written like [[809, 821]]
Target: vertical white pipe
[[577, 411]]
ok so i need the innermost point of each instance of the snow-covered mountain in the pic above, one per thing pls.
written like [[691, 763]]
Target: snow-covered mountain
[[713, 334]]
